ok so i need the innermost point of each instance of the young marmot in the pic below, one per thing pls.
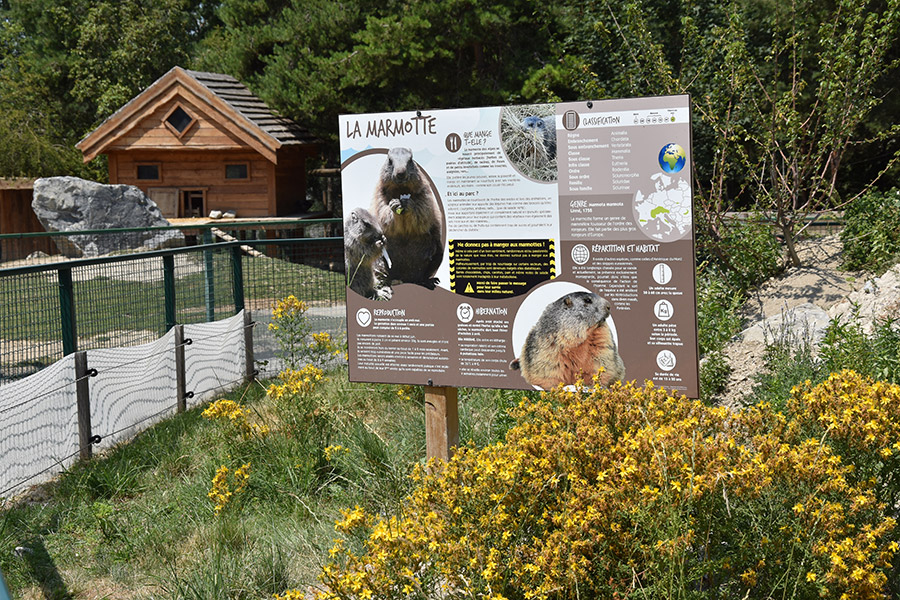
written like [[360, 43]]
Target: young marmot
[[411, 220], [363, 255], [571, 341]]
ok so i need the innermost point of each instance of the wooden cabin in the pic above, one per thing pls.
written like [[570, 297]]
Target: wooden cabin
[[197, 142], [16, 216]]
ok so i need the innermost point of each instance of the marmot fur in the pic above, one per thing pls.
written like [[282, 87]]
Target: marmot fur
[[571, 341], [363, 249], [411, 220], [542, 133]]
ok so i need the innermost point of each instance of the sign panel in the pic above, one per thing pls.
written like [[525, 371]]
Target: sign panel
[[523, 246]]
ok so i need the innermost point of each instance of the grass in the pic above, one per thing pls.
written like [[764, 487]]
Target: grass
[[137, 523]]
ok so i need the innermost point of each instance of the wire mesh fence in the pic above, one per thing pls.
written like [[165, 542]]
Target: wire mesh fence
[[20, 249], [51, 418], [50, 309]]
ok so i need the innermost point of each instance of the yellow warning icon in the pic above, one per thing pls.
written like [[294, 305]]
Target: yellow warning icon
[[469, 289]]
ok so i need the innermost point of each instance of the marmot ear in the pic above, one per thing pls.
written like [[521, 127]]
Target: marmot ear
[[567, 301], [354, 217]]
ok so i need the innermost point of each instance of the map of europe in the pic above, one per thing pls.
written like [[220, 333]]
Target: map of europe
[[665, 213]]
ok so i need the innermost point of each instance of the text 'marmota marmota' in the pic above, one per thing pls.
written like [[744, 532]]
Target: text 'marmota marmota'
[[363, 255], [571, 341], [411, 220]]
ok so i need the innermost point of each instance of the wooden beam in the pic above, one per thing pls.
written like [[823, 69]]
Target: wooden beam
[[441, 422]]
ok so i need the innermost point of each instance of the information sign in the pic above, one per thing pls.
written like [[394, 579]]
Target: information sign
[[523, 246]]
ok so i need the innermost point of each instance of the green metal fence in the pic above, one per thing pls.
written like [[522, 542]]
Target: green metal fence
[[51, 309]]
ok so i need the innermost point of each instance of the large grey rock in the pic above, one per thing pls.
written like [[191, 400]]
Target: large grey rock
[[73, 204]]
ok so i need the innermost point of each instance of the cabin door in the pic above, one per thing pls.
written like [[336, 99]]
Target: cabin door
[[166, 199], [193, 203]]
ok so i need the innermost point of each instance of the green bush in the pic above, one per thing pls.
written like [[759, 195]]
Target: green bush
[[718, 303], [846, 346], [714, 372], [789, 359], [870, 235], [745, 251]]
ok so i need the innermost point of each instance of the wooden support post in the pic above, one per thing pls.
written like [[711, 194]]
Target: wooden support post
[[441, 422], [180, 385], [249, 371], [83, 402]]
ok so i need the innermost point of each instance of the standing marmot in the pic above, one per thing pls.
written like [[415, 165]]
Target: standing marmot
[[363, 247], [411, 220], [571, 341]]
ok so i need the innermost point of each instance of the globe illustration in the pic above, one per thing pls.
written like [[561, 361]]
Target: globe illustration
[[672, 158]]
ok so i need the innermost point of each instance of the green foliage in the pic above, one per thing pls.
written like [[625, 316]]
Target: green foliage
[[718, 303], [871, 235], [876, 355], [315, 60], [788, 361], [65, 65], [714, 372], [789, 358], [745, 251], [781, 92]]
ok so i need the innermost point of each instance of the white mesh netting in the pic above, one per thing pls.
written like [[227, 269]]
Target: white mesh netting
[[215, 358], [134, 387], [38, 426]]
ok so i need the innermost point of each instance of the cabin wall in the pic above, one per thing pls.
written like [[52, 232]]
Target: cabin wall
[[16, 216], [204, 132], [290, 182], [202, 170]]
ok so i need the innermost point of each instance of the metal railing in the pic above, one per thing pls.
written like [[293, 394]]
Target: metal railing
[[17, 249], [51, 309]]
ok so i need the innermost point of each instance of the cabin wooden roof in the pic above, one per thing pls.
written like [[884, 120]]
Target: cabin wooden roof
[[219, 100]]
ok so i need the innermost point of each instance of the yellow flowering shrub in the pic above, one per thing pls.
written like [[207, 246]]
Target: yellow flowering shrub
[[635, 492], [224, 489], [237, 416], [296, 383], [291, 595], [296, 342]]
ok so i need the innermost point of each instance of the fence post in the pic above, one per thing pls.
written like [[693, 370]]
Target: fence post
[[67, 311], [83, 400], [180, 385], [249, 371], [237, 277], [441, 422], [169, 289], [209, 284]]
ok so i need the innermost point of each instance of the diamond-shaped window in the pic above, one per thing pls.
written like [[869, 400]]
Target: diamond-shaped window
[[179, 121]]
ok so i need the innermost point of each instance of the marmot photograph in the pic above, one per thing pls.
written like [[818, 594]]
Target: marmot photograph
[[571, 341], [365, 257], [410, 217], [528, 137]]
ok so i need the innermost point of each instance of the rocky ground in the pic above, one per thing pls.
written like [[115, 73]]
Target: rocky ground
[[801, 303]]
